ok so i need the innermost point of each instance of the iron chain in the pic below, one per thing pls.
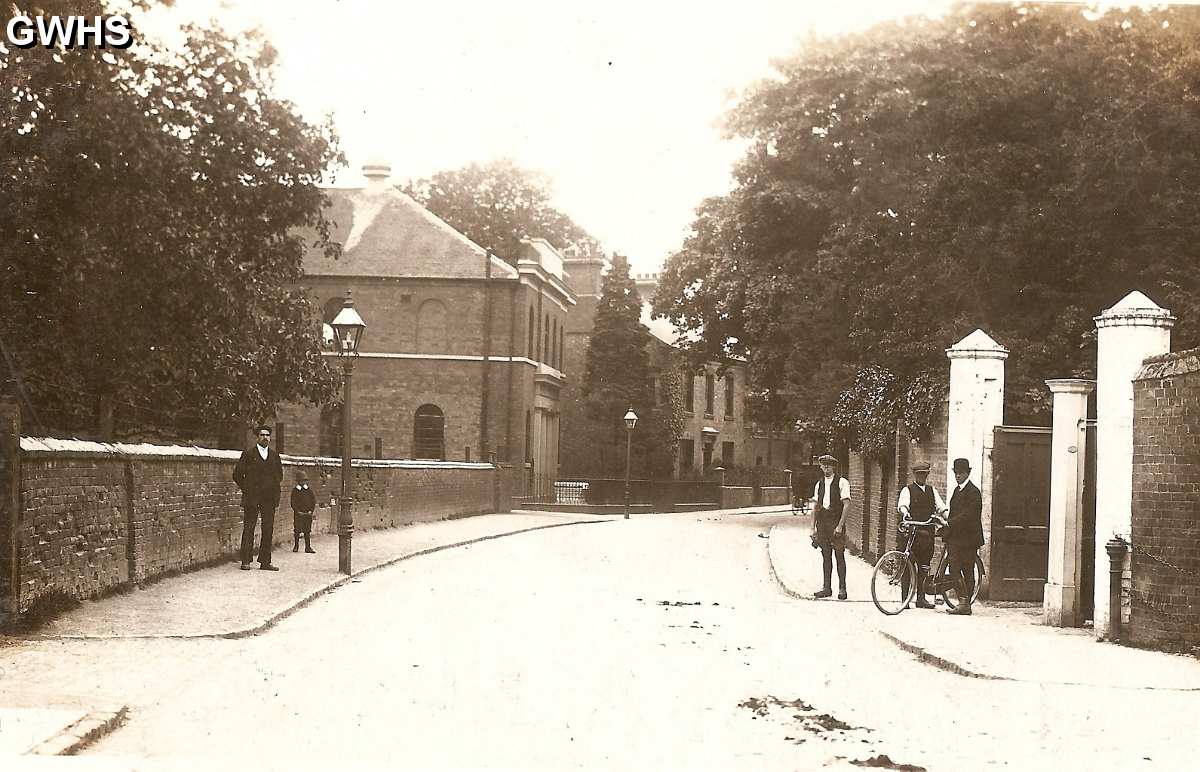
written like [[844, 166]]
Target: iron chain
[[1143, 599], [1166, 563]]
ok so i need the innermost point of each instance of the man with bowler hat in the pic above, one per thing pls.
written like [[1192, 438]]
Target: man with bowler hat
[[964, 533], [918, 502], [831, 497], [259, 473]]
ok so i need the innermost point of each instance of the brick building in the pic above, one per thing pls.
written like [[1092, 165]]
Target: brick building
[[463, 352]]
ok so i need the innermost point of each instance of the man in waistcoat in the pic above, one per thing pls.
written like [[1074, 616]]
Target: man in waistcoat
[[258, 474], [831, 498], [919, 501], [964, 532]]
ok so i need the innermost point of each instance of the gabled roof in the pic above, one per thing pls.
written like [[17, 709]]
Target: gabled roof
[[385, 233]]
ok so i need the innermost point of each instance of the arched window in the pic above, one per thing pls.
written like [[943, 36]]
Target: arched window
[[431, 328], [529, 348], [546, 337], [561, 342], [329, 432], [429, 433]]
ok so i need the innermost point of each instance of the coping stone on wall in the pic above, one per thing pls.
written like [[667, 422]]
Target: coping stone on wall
[[1168, 365]]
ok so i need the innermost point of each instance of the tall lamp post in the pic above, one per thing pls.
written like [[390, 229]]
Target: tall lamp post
[[348, 329], [630, 422]]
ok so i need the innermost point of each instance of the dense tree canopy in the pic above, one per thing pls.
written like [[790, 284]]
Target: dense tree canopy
[[617, 376], [150, 207], [496, 204], [1015, 168]]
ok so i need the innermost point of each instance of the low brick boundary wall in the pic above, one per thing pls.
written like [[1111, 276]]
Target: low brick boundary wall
[[83, 518], [1165, 560]]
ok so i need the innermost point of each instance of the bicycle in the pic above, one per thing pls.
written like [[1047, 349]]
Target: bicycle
[[894, 579]]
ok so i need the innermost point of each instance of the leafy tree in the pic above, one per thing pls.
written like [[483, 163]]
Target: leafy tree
[[617, 377], [1013, 167], [496, 204], [151, 211]]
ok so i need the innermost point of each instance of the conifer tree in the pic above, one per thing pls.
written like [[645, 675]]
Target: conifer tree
[[617, 377]]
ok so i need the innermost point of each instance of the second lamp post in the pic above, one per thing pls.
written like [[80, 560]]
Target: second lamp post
[[630, 422]]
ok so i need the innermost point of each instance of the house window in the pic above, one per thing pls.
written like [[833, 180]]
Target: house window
[[554, 344], [429, 427], [689, 393], [729, 395], [378, 447], [710, 393], [546, 338], [687, 455], [726, 454], [561, 341]]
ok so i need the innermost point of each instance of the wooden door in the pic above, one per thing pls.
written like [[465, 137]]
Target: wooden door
[[1020, 513]]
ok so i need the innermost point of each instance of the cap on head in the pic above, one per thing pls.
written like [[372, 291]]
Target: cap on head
[[961, 465], [301, 475], [827, 459], [921, 467]]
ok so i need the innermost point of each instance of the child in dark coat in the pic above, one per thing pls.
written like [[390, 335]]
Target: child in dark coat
[[304, 502]]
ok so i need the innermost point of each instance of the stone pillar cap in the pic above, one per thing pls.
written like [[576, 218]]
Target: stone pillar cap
[[1071, 385], [1135, 310], [977, 345]]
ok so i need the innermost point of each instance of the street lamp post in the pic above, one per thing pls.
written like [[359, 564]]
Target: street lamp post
[[348, 328], [630, 422]]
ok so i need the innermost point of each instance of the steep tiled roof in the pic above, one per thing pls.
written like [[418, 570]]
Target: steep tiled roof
[[383, 232]]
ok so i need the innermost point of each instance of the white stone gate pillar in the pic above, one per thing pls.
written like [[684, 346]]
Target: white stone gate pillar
[[1060, 602], [1127, 333], [976, 409]]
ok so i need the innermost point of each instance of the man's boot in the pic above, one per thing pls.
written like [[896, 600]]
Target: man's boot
[[296, 544], [308, 547], [922, 573], [823, 593], [964, 601]]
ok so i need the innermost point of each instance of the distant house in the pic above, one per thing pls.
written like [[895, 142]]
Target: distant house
[[463, 353]]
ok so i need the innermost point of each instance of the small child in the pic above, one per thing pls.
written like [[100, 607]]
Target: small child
[[304, 501]]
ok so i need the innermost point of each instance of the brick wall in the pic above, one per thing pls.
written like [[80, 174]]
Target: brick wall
[[92, 517], [1165, 599]]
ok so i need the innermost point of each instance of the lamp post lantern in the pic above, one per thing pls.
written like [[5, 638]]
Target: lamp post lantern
[[630, 422], [348, 329]]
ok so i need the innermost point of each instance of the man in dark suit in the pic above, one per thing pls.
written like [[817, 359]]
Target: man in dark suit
[[259, 473], [964, 533]]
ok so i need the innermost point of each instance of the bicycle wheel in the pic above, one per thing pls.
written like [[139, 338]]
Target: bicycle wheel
[[893, 573], [950, 594]]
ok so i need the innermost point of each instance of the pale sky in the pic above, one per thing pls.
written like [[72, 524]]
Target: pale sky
[[617, 102]]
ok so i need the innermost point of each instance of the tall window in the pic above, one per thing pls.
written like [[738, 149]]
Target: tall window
[[726, 454], [710, 389], [554, 345], [529, 352], [429, 427], [689, 393], [431, 328], [329, 431], [729, 395], [561, 341], [687, 455], [546, 338]]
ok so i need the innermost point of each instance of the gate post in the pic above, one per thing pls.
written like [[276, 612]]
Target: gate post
[[1129, 332], [976, 409], [1060, 600]]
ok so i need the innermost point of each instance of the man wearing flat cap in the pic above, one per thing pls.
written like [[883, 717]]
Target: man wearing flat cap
[[919, 502], [964, 532], [831, 499]]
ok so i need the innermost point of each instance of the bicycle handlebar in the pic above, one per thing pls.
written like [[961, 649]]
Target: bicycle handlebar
[[933, 520]]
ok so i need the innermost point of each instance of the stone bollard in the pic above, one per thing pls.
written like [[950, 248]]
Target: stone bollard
[[1116, 566]]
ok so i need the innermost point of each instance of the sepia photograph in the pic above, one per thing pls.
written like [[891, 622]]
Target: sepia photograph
[[773, 385]]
